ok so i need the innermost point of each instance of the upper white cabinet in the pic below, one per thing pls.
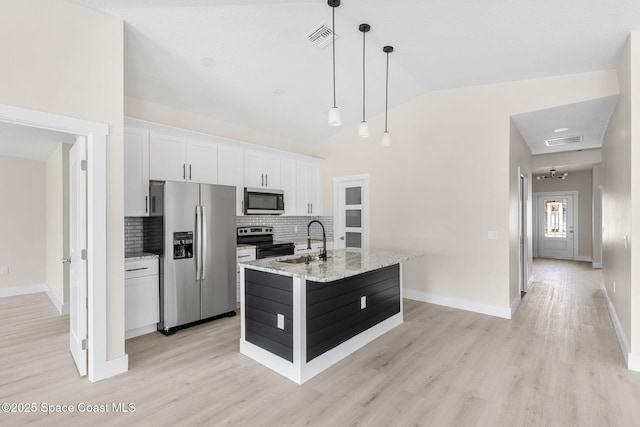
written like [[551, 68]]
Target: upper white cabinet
[[261, 170], [174, 158], [231, 172], [308, 189], [288, 185], [136, 172]]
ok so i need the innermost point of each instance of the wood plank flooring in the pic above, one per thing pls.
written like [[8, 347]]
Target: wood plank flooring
[[556, 363]]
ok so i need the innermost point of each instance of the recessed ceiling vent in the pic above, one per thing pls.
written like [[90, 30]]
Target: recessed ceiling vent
[[562, 141], [321, 36]]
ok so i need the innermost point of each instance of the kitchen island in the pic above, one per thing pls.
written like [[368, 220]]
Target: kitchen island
[[300, 318]]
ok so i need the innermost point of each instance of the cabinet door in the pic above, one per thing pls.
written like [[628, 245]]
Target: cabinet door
[[167, 158], [231, 172], [288, 185], [253, 175], [202, 162], [271, 170], [302, 201], [136, 172], [142, 302], [314, 189]]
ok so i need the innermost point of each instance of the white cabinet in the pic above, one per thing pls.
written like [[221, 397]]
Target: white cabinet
[[173, 158], [142, 297], [308, 189], [243, 254], [136, 172], [288, 185], [231, 172], [261, 170]]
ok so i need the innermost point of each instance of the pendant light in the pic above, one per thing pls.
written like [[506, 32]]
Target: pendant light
[[334, 112], [363, 130], [386, 137]]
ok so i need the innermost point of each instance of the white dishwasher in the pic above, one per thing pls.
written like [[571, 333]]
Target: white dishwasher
[[142, 296]]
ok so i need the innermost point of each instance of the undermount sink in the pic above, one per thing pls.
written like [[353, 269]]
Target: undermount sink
[[301, 259]]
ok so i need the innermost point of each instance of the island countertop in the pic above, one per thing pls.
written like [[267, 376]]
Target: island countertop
[[340, 263]]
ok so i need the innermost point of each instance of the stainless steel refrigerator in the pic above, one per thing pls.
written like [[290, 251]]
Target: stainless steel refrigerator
[[199, 259]]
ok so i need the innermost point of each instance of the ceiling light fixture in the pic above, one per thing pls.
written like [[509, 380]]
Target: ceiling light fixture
[[560, 130], [334, 113], [553, 174], [363, 130], [386, 137]]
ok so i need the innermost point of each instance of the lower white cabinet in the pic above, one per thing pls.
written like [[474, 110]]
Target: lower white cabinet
[[243, 254], [142, 296]]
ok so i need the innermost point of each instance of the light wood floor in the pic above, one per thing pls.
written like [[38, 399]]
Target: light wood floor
[[556, 363]]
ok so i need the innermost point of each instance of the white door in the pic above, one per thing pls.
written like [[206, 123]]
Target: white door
[[77, 254], [351, 216], [555, 226]]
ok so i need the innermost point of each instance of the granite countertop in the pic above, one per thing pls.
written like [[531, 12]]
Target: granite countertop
[[341, 263], [136, 256]]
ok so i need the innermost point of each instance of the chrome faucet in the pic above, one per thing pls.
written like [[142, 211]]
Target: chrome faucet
[[323, 253]]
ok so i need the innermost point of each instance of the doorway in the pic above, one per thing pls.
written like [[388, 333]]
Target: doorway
[[98, 366], [351, 211], [556, 220], [523, 195]]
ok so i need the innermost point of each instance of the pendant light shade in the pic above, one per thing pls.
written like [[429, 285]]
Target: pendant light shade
[[363, 129], [334, 112], [386, 137]]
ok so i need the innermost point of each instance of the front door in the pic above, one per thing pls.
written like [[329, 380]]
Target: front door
[[351, 216], [77, 254], [555, 226]]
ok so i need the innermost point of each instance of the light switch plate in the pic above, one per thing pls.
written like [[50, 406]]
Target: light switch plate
[[4, 271], [363, 302], [280, 321], [493, 235]]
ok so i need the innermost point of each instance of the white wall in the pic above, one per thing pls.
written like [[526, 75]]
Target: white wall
[[447, 180], [57, 223], [67, 59], [621, 199], [22, 222]]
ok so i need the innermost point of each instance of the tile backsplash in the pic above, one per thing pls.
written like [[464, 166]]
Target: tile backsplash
[[145, 234]]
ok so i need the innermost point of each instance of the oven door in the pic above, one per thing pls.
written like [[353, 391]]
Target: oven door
[[274, 251], [259, 201]]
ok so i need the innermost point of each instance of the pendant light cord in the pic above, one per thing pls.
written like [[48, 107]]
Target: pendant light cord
[[386, 97], [333, 31], [363, 76]]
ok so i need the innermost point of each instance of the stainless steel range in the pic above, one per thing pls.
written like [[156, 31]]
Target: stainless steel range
[[262, 238]]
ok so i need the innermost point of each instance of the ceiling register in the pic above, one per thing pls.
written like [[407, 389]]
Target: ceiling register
[[334, 112]]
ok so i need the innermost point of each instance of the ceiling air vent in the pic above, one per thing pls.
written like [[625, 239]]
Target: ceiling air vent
[[321, 36], [562, 141]]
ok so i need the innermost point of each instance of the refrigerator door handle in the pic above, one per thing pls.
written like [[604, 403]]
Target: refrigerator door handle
[[198, 242], [203, 232]]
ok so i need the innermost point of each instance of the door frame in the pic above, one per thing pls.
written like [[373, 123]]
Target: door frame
[[99, 366], [365, 205], [537, 223], [523, 241]]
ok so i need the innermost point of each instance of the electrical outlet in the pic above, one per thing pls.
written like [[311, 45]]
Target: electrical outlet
[[295, 228], [363, 302], [4, 271], [280, 321], [493, 235]]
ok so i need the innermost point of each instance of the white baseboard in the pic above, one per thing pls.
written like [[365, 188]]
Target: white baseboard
[[23, 290], [62, 307], [514, 305], [109, 368], [585, 258], [632, 360], [596, 265], [132, 333], [491, 310]]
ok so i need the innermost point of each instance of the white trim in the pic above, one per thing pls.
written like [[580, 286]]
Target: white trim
[[631, 360], [491, 310], [515, 304], [60, 306], [23, 290], [583, 258], [132, 333], [596, 265], [99, 365]]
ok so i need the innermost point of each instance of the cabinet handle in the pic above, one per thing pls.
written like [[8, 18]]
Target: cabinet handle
[[137, 269], [266, 180], [244, 256], [153, 204], [311, 204], [146, 204], [262, 180], [184, 171], [189, 172]]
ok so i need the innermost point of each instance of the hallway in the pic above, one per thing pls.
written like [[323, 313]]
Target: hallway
[[557, 362]]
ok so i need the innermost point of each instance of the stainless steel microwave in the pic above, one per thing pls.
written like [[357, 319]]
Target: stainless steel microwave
[[263, 201]]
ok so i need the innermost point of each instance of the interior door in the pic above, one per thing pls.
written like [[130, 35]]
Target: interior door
[[77, 254], [555, 226], [351, 216]]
